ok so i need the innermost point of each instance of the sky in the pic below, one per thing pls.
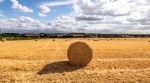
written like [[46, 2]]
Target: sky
[[75, 16]]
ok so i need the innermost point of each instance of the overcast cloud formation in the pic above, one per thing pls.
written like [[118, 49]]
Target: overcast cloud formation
[[94, 16]]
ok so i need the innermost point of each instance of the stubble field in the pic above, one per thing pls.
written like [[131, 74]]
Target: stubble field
[[114, 60]]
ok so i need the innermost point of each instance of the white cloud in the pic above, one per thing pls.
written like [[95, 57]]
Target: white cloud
[[25, 23], [64, 24], [113, 15], [104, 16], [21, 8], [44, 9], [21, 23], [102, 7], [89, 18], [26, 19], [58, 3], [65, 19], [69, 24], [42, 15], [1, 11], [1, 15], [1, 1]]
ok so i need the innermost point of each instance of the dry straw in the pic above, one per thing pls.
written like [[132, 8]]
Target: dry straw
[[79, 53]]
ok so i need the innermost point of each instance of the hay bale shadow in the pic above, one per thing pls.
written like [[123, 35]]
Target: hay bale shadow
[[58, 67]]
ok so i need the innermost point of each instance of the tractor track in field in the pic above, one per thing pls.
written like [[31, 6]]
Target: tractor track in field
[[58, 50], [40, 49]]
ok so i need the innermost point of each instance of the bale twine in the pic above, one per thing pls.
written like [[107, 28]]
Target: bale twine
[[79, 53], [3, 40]]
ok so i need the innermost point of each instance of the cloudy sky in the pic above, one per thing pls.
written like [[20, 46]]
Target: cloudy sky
[[88, 16]]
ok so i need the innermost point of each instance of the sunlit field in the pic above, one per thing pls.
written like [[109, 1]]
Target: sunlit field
[[45, 60]]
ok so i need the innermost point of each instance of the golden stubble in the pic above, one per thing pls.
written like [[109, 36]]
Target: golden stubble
[[114, 60]]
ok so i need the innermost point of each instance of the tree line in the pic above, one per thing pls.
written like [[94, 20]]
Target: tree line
[[17, 36]]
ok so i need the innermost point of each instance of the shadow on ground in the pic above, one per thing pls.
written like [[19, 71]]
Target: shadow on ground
[[58, 67]]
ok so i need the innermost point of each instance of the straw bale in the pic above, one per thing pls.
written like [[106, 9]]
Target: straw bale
[[79, 53]]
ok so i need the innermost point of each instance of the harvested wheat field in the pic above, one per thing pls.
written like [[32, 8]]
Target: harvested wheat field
[[114, 60]]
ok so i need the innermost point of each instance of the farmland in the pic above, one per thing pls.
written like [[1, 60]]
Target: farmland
[[45, 60]]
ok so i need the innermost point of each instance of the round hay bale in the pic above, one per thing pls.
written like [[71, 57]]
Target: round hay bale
[[79, 53], [3, 40], [95, 40]]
